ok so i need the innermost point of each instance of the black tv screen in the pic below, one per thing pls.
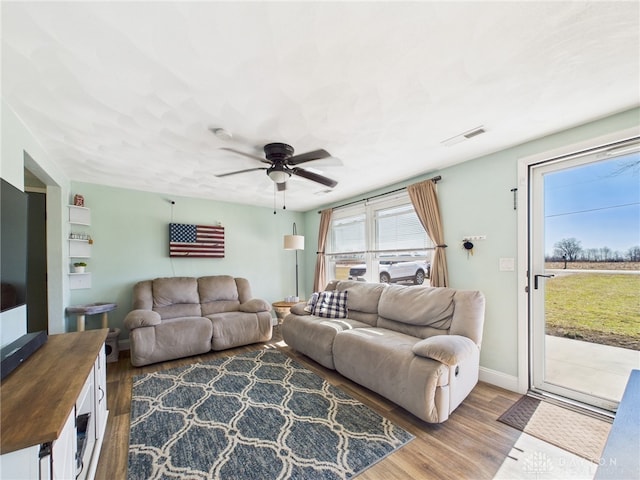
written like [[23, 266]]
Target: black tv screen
[[13, 245]]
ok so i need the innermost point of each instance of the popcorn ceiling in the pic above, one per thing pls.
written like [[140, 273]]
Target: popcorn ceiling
[[123, 94]]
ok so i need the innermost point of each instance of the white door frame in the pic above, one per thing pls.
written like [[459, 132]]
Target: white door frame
[[523, 198]]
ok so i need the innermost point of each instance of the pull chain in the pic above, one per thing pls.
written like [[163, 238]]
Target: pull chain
[[284, 198]]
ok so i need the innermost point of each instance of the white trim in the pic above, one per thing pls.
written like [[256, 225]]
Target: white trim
[[594, 143], [523, 240], [522, 276], [29, 189], [500, 379], [124, 344], [368, 210]]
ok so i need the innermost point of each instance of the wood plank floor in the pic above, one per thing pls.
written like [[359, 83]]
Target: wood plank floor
[[472, 444]]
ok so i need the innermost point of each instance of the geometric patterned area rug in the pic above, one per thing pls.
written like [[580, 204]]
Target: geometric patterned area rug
[[575, 432], [256, 415]]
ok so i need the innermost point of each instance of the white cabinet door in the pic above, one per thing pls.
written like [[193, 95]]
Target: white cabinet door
[[99, 414], [85, 425], [100, 371], [64, 450], [21, 464]]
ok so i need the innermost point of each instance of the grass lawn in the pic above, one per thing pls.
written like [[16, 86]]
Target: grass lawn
[[596, 307]]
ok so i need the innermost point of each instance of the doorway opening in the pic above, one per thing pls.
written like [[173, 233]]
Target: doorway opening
[[37, 304], [584, 273]]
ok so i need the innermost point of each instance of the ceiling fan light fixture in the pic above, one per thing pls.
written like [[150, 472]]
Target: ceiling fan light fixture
[[278, 175], [283, 164]]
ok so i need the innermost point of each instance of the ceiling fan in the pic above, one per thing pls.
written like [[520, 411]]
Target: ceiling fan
[[283, 163]]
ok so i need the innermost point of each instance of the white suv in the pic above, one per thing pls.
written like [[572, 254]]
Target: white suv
[[391, 272]]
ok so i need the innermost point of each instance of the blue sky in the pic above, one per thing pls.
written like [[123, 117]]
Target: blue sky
[[598, 204]]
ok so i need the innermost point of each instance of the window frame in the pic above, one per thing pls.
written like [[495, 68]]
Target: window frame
[[371, 253]]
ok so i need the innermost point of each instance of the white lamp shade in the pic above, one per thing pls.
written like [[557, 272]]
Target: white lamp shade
[[278, 176], [294, 242]]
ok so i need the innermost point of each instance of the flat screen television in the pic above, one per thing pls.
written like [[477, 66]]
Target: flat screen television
[[13, 246]]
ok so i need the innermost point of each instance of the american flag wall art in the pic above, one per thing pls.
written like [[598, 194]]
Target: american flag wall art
[[196, 241]]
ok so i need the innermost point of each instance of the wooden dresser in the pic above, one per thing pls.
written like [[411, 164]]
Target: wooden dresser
[[54, 409]]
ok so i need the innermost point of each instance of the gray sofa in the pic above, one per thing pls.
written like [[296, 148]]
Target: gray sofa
[[417, 346], [182, 316]]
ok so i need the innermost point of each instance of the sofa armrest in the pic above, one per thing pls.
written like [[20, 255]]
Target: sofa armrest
[[299, 309], [142, 318], [255, 305], [447, 349]]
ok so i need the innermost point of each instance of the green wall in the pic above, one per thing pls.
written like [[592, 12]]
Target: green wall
[[476, 199], [21, 149], [130, 230]]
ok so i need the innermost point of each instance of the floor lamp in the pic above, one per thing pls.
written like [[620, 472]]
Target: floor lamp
[[294, 242]]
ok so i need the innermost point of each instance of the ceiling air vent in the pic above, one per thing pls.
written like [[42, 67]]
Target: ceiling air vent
[[474, 132]]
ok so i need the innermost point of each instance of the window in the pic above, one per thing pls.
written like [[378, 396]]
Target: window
[[379, 241], [349, 233]]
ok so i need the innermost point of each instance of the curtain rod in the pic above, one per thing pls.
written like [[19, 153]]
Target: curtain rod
[[435, 179]]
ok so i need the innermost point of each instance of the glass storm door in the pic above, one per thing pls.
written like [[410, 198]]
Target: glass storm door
[[584, 282]]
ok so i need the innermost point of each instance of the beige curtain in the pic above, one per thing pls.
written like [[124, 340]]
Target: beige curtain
[[319, 281], [425, 201]]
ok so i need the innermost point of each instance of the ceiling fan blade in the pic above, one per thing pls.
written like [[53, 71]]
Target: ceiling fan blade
[[281, 186], [255, 157], [314, 177], [308, 157], [241, 171]]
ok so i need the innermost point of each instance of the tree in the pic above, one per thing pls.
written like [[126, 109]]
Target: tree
[[634, 254], [570, 248], [591, 255], [628, 167]]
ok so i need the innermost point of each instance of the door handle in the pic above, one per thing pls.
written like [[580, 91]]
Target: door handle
[[535, 279]]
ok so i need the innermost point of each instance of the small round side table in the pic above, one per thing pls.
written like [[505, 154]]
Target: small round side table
[[282, 309]]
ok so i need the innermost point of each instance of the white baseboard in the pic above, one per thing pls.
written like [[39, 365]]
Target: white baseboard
[[124, 344], [499, 379]]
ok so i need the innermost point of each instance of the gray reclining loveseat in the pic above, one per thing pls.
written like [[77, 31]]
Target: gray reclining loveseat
[[182, 316]]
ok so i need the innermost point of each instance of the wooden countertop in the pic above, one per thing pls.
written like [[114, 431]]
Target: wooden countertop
[[37, 398]]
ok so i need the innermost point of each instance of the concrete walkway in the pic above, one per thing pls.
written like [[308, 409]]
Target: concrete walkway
[[596, 369]]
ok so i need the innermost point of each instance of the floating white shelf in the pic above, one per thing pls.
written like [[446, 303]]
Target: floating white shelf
[[79, 281], [79, 215], [79, 248]]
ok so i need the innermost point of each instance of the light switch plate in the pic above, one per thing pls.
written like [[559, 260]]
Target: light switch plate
[[507, 264]]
